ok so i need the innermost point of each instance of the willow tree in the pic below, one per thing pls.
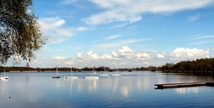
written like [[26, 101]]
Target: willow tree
[[20, 35]]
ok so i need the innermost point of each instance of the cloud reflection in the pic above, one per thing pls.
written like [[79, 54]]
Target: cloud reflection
[[187, 90], [35, 91]]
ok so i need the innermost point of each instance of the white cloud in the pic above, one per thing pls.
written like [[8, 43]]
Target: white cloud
[[119, 25], [190, 53], [111, 16], [127, 57], [69, 62], [204, 37], [80, 55], [58, 23], [62, 61], [193, 18], [92, 55], [54, 29], [132, 10], [59, 58], [143, 56], [202, 40], [147, 63], [56, 40], [106, 56], [82, 28], [119, 43], [68, 2], [200, 43], [112, 37], [114, 54], [125, 49], [160, 56], [125, 52], [95, 56]]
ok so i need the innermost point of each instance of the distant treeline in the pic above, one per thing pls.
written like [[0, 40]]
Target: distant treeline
[[198, 66], [101, 68], [201, 66]]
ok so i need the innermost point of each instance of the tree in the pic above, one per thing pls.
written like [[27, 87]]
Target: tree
[[20, 35]]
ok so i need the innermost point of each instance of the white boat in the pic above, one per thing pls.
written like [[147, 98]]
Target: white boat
[[4, 77], [70, 77], [56, 77], [92, 77], [105, 73], [116, 74]]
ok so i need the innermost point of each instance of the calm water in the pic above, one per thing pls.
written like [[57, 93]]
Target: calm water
[[132, 89]]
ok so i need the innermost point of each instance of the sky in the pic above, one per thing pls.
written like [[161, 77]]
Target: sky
[[123, 33]]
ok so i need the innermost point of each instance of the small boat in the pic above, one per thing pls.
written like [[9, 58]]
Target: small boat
[[117, 73], [4, 77], [70, 77], [105, 73], [92, 77], [56, 77]]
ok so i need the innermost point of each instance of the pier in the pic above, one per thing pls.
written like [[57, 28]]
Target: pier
[[178, 85]]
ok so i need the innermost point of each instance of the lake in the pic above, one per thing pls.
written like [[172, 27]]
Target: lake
[[131, 90]]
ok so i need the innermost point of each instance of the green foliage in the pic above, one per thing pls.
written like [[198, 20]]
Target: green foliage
[[202, 66], [20, 35]]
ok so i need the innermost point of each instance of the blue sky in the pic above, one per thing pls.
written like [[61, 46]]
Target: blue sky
[[124, 33]]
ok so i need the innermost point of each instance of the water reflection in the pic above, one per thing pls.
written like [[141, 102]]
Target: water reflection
[[187, 90], [92, 85], [119, 85], [135, 88], [124, 90], [71, 88], [181, 78]]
